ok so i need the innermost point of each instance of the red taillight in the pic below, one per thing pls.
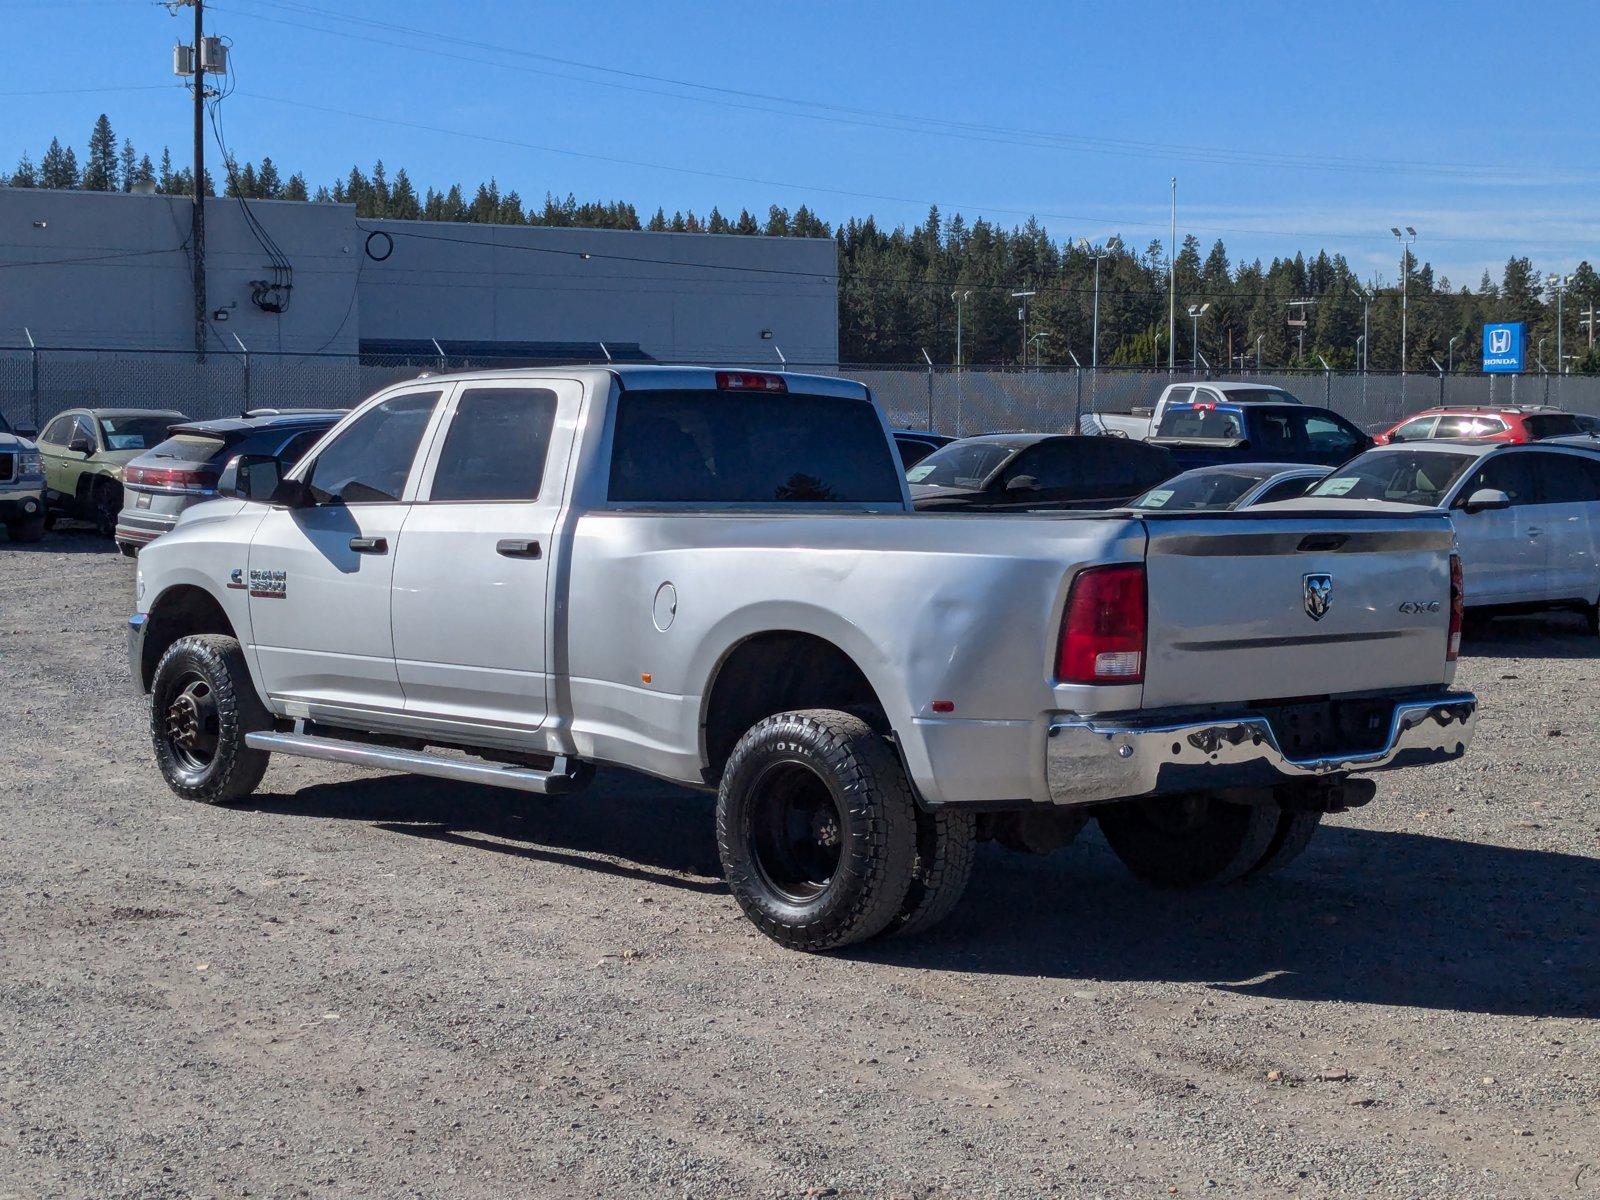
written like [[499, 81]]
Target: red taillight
[[168, 477], [1458, 609], [750, 381], [1103, 628]]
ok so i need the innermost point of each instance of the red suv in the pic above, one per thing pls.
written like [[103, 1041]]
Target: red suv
[[1482, 423]]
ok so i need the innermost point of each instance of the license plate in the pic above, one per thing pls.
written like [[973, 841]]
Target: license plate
[[143, 500]]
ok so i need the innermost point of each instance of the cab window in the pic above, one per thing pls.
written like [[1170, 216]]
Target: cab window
[[496, 446], [370, 461]]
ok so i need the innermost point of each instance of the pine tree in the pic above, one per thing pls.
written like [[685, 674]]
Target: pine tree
[[295, 189], [100, 169], [59, 168], [403, 203], [268, 185], [164, 181], [128, 169], [26, 175]]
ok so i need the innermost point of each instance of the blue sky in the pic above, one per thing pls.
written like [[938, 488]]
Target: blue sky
[[1288, 126]]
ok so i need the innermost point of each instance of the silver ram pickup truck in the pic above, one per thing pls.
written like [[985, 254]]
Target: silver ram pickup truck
[[717, 578]]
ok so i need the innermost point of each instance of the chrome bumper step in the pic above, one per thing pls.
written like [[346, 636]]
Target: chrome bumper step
[[564, 775]]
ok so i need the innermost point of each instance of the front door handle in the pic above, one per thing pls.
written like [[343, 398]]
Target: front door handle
[[517, 548], [1535, 531], [369, 545]]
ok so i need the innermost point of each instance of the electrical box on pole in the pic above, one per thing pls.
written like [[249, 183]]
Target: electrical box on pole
[[183, 61], [214, 56]]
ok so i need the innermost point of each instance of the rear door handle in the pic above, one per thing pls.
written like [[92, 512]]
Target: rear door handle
[[518, 548], [369, 545]]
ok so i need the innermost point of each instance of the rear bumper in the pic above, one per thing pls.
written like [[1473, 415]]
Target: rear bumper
[[142, 527], [1089, 760]]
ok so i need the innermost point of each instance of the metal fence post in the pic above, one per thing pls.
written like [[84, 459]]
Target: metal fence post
[[33, 394], [929, 361], [246, 351]]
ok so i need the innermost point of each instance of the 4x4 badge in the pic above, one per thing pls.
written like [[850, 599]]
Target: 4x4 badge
[[1318, 590]]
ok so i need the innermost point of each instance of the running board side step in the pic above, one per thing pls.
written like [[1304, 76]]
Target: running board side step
[[565, 775]]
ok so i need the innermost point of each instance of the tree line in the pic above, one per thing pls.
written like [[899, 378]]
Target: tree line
[[904, 291]]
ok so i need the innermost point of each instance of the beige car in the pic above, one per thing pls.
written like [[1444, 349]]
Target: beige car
[[83, 451]]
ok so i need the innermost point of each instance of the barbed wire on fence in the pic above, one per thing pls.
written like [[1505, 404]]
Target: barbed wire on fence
[[37, 383]]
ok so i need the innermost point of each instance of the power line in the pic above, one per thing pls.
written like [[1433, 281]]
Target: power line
[[181, 248], [872, 118], [134, 87]]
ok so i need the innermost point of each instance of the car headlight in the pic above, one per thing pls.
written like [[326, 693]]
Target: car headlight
[[28, 463]]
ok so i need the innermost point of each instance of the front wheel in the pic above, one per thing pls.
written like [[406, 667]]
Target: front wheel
[[1189, 841], [816, 829], [106, 506], [202, 703]]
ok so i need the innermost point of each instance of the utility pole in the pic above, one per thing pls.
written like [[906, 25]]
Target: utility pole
[[1300, 321], [1558, 284], [1022, 315], [1172, 285], [197, 224]]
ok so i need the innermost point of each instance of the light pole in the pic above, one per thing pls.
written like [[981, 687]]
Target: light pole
[[960, 298], [1196, 311], [1022, 315], [1406, 240], [1450, 355], [1365, 340], [1558, 284], [1259, 336], [1112, 245], [1034, 342]]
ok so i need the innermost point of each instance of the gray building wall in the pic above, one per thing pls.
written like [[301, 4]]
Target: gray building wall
[[111, 271]]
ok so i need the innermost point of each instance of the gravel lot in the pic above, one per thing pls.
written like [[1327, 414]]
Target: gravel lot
[[363, 985]]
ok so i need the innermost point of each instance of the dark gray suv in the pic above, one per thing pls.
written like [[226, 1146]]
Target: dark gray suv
[[184, 469]]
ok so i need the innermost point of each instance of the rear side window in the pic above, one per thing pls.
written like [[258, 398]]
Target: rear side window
[[703, 447], [1549, 425], [1469, 427], [369, 462], [1565, 478], [496, 446]]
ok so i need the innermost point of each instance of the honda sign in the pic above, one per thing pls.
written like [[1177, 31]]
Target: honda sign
[[1504, 348]]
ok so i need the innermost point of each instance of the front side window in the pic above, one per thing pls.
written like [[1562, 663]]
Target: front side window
[[370, 461], [706, 447], [59, 431], [496, 446], [83, 428], [1404, 477], [1286, 489], [1508, 473], [1324, 435], [1416, 430]]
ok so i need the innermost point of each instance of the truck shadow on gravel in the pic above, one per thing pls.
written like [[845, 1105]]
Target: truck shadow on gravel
[[1540, 635], [1364, 916], [623, 825]]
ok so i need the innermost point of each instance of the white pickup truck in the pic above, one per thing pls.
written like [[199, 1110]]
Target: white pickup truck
[[717, 577], [1141, 423]]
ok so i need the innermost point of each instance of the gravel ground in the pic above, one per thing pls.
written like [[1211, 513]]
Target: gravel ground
[[364, 985]]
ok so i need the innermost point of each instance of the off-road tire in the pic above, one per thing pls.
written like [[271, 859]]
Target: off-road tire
[[946, 845], [26, 529], [233, 770], [105, 504], [856, 782], [1189, 841], [1294, 833]]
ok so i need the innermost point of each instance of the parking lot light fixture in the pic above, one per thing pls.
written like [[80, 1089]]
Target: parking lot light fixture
[[1196, 311], [1113, 244], [1406, 240]]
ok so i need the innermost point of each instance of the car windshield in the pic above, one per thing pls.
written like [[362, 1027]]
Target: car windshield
[[1414, 477], [961, 464], [135, 432], [1200, 491], [1261, 395]]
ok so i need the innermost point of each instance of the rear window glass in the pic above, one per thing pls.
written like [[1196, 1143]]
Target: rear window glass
[[187, 447], [1199, 423], [135, 433], [1549, 425], [1260, 395], [704, 447]]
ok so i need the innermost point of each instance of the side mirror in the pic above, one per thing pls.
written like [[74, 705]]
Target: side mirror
[[251, 477], [290, 493], [1022, 483], [80, 445], [31, 432], [1486, 499]]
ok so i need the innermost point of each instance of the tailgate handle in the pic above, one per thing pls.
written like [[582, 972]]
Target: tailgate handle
[[1323, 541]]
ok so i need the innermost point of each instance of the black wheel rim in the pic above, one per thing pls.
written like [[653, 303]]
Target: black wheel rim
[[190, 722], [796, 831], [1180, 815]]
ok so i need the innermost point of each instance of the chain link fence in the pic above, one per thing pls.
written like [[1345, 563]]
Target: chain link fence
[[36, 383]]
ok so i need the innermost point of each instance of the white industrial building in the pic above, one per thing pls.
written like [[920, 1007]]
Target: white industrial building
[[95, 271]]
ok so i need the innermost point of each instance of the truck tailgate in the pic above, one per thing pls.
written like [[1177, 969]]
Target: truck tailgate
[[1247, 607]]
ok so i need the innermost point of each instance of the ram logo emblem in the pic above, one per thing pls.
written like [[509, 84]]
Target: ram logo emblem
[[1318, 595]]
